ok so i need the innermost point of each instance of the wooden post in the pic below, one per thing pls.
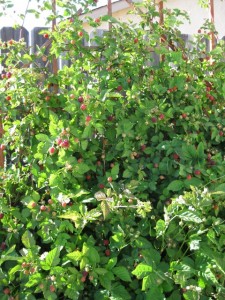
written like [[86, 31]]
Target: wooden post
[[1, 149], [161, 22], [211, 16], [54, 61], [110, 12]]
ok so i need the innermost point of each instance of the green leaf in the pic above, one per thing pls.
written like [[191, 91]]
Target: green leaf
[[189, 216], [119, 292], [142, 270], [42, 137], [105, 209], [75, 256], [52, 259], [111, 263], [115, 171], [122, 273], [75, 217], [175, 185], [91, 253], [160, 228], [28, 239], [106, 280]]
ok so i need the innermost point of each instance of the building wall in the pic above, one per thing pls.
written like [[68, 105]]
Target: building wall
[[197, 15]]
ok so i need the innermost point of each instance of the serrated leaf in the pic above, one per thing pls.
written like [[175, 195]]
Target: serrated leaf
[[52, 259], [75, 217], [101, 271], [91, 253], [175, 185], [119, 292], [28, 239], [100, 196], [105, 209], [160, 228], [115, 171], [42, 137], [190, 216], [12, 272], [34, 280], [122, 273], [111, 263], [75, 255], [106, 280], [142, 270]]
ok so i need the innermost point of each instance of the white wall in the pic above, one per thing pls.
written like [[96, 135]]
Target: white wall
[[197, 15]]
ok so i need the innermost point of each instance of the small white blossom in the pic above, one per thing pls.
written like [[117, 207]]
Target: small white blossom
[[63, 198]]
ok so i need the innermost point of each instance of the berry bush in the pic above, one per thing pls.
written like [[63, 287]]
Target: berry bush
[[113, 183]]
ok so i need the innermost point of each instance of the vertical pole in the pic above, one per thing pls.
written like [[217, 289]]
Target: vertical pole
[[1, 149], [54, 61], [161, 22], [110, 12], [212, 19]]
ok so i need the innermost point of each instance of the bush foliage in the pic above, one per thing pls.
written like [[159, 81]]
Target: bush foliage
[[113, 183]]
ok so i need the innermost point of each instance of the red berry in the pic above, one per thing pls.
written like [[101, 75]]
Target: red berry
[[43, 207], [88, 118], [176, 156], [8, 98], [72, 96], [8, 74], [24, 264], [46, 36], [64, 204], [50, 201], [65, 144], [80, 33], [3, 246], [184, 116], [6, 291], [161, 117], [154, 120], [85, 273], [59, 141], [51, 150], [189, 177], [47, 98], [110, 179], [97, 20], [119, 88], [81, 99], [105, 242], [3, 76], [221, 133], [1, 216], [33, 204], [52, 288], [88, 177], [197, 172], [83, 107], [135, 40], [101, 186], [143, 147], [107, 252], [83, 279], [215, 207]]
